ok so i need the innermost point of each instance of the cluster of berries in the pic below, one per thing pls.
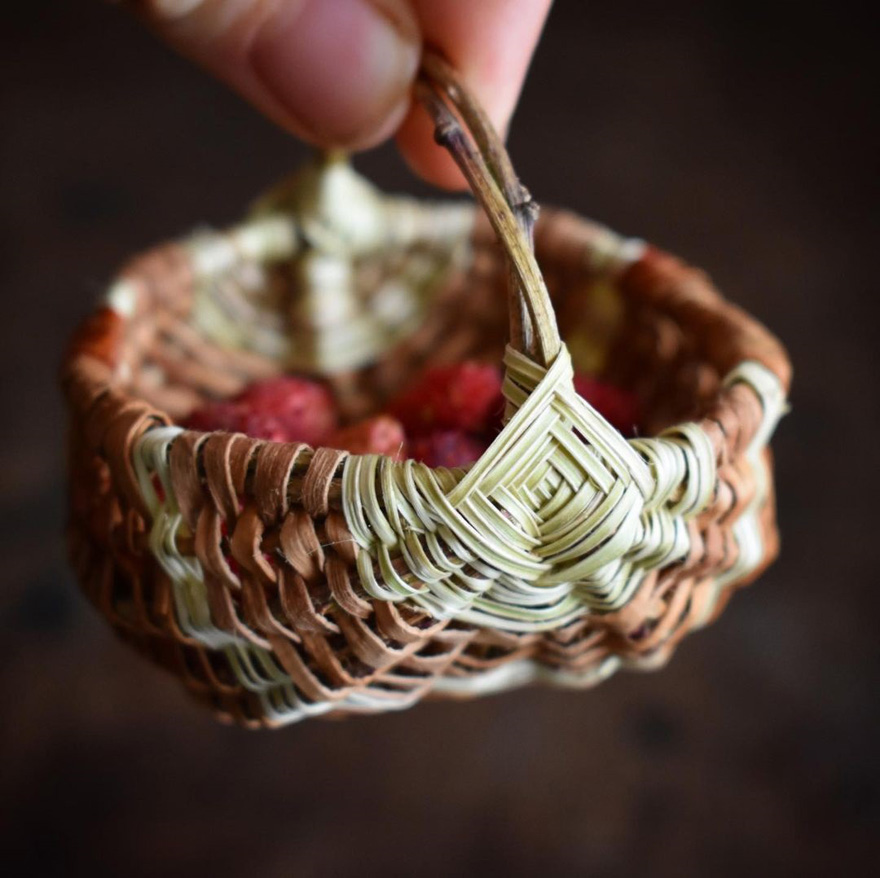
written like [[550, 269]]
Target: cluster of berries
[[446, 417]]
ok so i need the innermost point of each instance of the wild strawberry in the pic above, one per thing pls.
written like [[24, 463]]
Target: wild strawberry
[[283, 409], [303, 409], [464, 397], [618, 406], [236, 417], [449, 448], [265, 425], [224, 415], [381, 434]]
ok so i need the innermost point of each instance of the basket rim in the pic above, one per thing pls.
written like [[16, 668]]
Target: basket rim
[[676, 289]]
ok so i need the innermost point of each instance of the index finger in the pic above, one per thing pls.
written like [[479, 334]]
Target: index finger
[[490, 42]]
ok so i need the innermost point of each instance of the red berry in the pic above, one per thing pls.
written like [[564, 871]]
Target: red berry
[[235, 417], [265, 425], [618, 406], [283, 409], [381, 434], [303, 409], [222, 415], [449, 448], [465, 397]]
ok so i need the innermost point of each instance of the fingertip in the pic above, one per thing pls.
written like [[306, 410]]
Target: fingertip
[[336, 72], [341, 68], [431, 162], [490, 47]]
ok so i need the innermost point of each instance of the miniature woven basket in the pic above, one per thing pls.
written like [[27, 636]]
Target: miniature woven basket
[[280, 581]]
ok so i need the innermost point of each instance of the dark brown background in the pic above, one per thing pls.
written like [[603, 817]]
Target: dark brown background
[[735, 136]]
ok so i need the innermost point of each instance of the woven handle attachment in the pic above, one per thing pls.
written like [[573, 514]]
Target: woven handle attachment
[[486, 166]]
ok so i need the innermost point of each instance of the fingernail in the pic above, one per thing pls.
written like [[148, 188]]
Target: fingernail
[[341, 68]]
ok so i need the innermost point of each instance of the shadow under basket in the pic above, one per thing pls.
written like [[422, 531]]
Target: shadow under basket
[[279, 581]]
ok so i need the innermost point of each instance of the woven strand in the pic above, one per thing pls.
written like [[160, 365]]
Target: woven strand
[[323, 223], [748, 532], [560, 514], [256, 668]]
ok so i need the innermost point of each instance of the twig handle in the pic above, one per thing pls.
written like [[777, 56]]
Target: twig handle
[[486, 166]]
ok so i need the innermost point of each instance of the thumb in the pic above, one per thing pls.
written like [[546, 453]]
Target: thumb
[[335, 72]]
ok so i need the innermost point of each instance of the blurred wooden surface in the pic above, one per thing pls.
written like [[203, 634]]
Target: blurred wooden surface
[[737, 138]]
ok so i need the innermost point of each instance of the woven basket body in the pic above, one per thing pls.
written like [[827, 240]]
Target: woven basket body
[[279, 581]]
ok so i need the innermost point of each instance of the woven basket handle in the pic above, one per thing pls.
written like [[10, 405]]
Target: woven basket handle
[[486, 166]]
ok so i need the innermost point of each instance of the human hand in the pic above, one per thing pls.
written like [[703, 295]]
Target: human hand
[[339, 73]]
